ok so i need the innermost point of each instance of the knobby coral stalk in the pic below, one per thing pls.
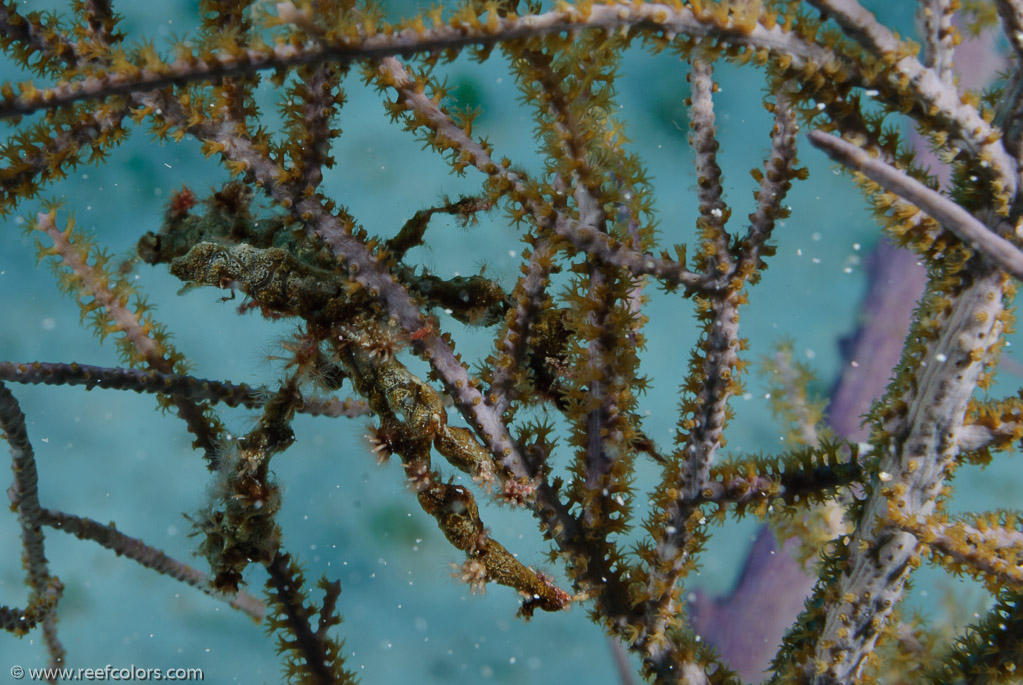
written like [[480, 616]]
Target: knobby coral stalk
[[916, 460]]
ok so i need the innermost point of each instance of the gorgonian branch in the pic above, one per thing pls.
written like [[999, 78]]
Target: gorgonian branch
[[44, 152], [775, 181], [142, 340], [940, 36], [182, 386], [313, 656], [703, 141], [446, 134], [870, 571], [988, 547], [935, 96], [138, 380], [951, 216], [362, 41], [27, 37], [512, 344], [24, 494], [122, 545]]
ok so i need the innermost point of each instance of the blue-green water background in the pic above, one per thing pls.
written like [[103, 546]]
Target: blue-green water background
[[112, 457]]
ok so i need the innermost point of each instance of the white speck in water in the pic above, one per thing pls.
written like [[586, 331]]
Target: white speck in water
[[48, 324]]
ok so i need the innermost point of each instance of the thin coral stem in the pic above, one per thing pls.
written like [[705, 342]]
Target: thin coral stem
[[513, 343], [372, 45], [25, 501], [953, 217], [176, 385], [137, 380], [991, 551], [779, 170], [703, 141], [135, 549]]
